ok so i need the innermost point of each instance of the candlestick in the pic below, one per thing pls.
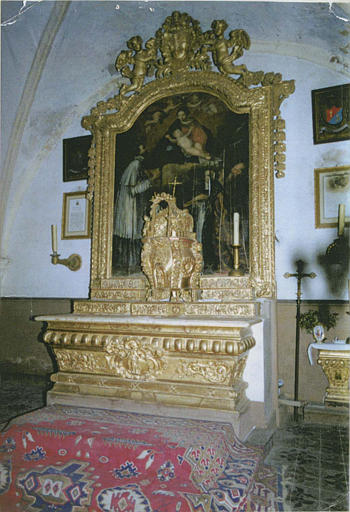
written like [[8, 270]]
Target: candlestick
[[236, 228], [54, 237], [73, 262], [341, 219], [237, 271]]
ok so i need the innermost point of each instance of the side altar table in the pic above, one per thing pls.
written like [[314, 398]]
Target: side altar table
[[334, 359], [181, 361]]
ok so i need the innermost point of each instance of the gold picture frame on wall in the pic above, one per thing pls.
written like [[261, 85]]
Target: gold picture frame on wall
[[174, 79], [75, 216], [332, 187]]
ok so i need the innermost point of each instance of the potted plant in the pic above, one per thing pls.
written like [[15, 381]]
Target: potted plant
[[316, 322]]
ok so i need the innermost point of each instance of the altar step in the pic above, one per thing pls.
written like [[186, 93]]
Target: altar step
[[201, 308], [261, 438], [215, 287]]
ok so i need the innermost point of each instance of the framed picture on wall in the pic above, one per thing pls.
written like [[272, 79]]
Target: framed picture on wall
[[75, 216], [332, 188], [331, 114], [76, 158]]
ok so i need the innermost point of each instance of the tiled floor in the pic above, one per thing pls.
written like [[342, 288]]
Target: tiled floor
[[313, 457], [20, 394]]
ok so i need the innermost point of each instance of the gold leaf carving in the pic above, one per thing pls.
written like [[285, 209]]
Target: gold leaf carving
[[337, 371], [134, 358], [123, 357], [231, 309], [171, 257], [209, 371]]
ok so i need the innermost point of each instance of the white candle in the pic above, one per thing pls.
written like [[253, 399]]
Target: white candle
[[236, 228], [341, 219], [54, 237]]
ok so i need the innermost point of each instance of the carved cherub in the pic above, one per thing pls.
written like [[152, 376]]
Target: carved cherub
[[141, 60], [219, 46]]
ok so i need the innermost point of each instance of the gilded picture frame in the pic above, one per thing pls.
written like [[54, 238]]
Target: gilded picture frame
[[332, 187], [331, 114], [266, 146], [76, 216]]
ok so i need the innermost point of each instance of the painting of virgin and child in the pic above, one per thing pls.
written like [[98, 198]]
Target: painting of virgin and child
[[194, 147]]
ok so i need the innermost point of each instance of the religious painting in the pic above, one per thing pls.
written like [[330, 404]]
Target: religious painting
[[332, 188], [331, 114], [193, 147], [75, 158]]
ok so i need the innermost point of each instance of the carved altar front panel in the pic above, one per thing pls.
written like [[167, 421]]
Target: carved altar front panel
[[179, 361]]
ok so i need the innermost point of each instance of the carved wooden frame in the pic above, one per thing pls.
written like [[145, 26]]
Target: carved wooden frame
[[266, 156]]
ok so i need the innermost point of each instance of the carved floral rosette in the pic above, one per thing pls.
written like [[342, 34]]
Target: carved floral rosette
[[171, 257]]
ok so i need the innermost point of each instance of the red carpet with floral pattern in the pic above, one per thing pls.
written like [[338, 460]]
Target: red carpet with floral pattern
[[69, 459]]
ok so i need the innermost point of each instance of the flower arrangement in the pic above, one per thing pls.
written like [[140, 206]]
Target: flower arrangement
[[311, 318]]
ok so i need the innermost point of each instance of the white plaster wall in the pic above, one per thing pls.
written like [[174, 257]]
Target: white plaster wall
[[79, 71], [254, 370]]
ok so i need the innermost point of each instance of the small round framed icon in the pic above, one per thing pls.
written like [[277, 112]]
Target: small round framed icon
[[318, 333]]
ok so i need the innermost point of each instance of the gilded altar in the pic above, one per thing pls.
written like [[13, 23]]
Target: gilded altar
[[207, 133], [336, 367], [193, 362]]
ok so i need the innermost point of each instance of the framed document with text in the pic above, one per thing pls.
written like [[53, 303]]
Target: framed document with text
[[75, 216], [332, 188]]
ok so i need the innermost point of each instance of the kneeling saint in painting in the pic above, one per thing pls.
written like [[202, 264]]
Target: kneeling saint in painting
[[194, 147]]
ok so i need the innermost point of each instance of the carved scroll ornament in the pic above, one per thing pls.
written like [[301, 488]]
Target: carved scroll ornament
[[179, 46]]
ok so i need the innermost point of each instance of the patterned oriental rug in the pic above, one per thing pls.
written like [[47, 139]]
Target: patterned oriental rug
[[69, 459]]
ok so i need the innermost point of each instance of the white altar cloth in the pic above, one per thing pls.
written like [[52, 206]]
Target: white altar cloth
[[326, 346]]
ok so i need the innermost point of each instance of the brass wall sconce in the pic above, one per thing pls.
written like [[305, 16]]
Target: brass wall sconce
[[73, 262]]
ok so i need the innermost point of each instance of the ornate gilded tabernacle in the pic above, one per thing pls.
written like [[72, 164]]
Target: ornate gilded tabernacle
[[171, 256], [192, 122]]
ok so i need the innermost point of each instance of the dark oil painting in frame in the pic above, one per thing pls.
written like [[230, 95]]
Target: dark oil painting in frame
[[331, 114], [194, 147], [75, 158]]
